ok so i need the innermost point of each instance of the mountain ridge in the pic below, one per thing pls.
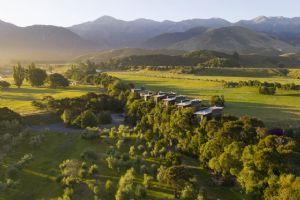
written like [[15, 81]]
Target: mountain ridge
[[234, 39], [106, 32]]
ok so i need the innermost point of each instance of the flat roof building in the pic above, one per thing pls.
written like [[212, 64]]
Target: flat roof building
[[189, 103], [212, 112]]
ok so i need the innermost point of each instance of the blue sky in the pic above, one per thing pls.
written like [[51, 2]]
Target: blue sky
[[69, 12]]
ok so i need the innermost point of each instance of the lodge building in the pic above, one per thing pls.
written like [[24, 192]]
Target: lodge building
[[181, 101]]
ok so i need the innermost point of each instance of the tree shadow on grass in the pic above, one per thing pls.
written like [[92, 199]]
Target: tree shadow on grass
[[289, 95], [32, 90], [272, 115], [16, 97]]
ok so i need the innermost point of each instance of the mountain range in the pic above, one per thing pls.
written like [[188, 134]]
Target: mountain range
[[262, 35]]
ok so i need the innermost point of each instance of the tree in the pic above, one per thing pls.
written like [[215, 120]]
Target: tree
[[117, 87], [18, 75], [188, 193], [4, 84], [264, 160], [228, 163], [285, 187], [57, 80], [36, 76], [127, 189], [175, 176], [88, 119], [217, 100], [70, 171], [267, 90]]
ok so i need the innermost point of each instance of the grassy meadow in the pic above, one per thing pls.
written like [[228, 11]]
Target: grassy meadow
[[282, 109], [20, 99], [37, 180]]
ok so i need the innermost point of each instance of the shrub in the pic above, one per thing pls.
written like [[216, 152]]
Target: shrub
[[8, 115], [4, 84], [141, 192], [13, 126], [111, 162], [147, 180], [93, 169], [120, 144], [82, 173], [104, 117], [143, 169], [132, 151], [173, 159], [24, 160], [141, 148], [88, 155], [57, 80], [188, 193], [90, 134], [12, 173], [109, 186], [88, 119], [67, 115], [146, 154]]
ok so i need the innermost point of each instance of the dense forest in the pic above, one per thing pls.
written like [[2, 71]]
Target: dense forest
[[201, 58]]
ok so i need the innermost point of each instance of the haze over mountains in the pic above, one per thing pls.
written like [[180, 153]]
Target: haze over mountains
[[262, 35]]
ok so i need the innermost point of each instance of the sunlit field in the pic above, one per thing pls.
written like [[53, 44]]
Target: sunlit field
[[282, 109], [20, 99]]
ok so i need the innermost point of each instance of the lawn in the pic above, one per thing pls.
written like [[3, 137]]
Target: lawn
[[282, 109], [38, 177], [20, 100]]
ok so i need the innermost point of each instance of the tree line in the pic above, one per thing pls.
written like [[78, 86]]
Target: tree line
[[266, 88], [36, 77]]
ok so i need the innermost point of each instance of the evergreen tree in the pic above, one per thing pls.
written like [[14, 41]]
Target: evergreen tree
[[18, 75]]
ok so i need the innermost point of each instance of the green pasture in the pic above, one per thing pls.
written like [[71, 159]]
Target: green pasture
[[20, 99], [282, 109], [37, 180]]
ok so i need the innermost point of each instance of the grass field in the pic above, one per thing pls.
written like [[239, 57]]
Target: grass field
[[282, 109], [37, 180], [20, 100]]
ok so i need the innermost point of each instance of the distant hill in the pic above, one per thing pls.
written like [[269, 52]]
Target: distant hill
[[104, 56], [167, 39], [287, 29], [109, 32], [40, 42], [231, 39]]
